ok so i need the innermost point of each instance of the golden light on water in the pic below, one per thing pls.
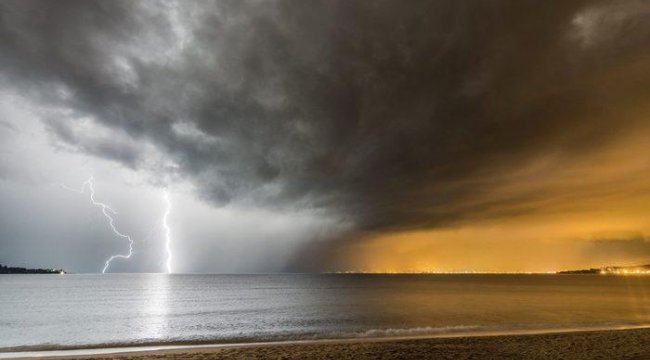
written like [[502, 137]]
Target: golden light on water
[[618, 271]]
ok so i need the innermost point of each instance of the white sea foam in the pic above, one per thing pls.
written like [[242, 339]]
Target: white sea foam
[[423, 330]]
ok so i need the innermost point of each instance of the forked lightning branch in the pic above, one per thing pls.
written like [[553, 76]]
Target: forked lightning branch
[[109, 212]]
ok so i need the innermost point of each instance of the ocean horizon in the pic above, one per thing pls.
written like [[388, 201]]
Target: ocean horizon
[[75, 311]]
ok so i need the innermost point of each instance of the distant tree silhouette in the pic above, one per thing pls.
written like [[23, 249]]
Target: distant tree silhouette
[[19, 270]]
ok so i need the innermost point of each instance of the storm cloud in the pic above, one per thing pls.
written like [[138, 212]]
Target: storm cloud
[[391, 115]]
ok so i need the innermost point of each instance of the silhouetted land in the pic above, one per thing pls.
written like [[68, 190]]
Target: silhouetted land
[[612, 270], [19, 270]]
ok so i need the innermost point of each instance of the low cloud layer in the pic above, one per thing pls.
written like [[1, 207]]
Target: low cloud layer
[[632, 250], [390, 116]]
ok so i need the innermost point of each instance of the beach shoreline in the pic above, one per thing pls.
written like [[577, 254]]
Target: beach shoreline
[[615, 342]]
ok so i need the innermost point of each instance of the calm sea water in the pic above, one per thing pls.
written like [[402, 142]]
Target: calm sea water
[[55, 311]]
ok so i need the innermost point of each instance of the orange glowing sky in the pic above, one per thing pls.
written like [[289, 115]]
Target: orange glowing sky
[[559, 212]]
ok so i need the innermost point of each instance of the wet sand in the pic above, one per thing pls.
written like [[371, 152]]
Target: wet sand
[[612, 344]]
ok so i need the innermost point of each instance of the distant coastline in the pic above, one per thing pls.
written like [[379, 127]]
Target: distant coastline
[[611, 270], [20, 270]]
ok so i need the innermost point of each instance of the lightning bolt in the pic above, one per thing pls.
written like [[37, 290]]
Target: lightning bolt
[[107, 211], [168, 239]]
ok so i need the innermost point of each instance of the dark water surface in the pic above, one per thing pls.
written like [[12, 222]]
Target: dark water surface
[[55, 311]]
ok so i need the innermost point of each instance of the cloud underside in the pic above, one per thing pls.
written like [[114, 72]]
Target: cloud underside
[[390, 115]]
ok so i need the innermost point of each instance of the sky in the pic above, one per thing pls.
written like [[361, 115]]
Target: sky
[[326, 135]]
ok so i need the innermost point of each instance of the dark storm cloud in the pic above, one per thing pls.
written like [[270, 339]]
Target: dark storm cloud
[[123, 151], [394, 114]]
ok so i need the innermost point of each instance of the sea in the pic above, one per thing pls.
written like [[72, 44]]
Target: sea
[[54, 312]]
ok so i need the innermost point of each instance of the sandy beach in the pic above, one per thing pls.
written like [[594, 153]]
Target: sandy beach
[[611, 344]]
